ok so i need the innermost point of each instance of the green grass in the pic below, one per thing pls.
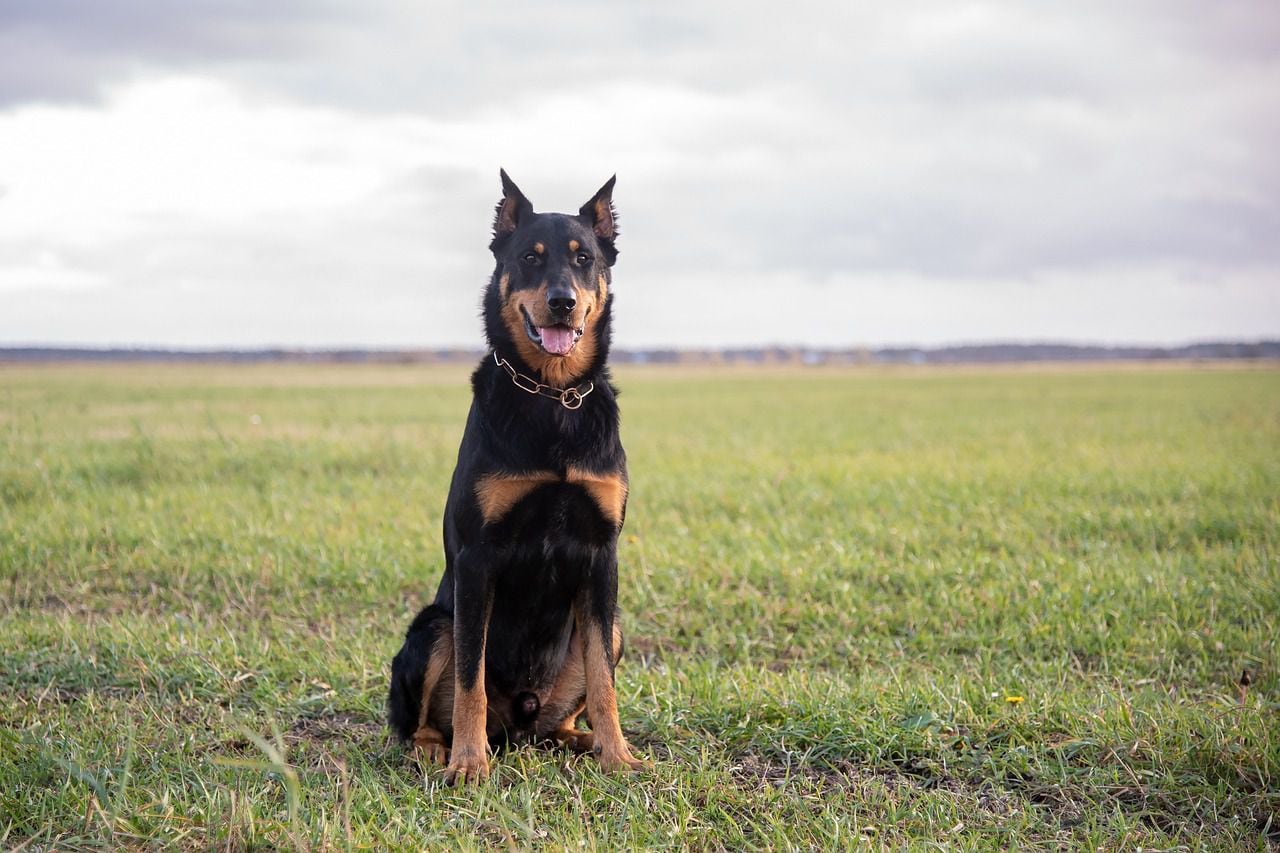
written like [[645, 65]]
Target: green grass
[[832, 583]]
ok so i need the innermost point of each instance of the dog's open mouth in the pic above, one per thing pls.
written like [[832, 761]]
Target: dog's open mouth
[[558, 339]]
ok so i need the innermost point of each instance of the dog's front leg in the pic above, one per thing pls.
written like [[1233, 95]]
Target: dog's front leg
[[472, 598], [595, 614]]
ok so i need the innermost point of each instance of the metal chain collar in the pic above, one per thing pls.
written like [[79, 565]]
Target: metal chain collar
[[570, 398]]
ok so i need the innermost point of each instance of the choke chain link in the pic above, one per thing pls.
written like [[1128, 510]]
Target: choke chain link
[[570, 398]]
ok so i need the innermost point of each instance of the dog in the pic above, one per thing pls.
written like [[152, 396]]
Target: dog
[[522, 637]]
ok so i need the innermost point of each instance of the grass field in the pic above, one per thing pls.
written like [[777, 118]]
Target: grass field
[[980, 609]]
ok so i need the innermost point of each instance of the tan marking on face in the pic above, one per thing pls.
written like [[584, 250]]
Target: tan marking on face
[[504, 285], [574, 245], [559, 371], [603, 286], [498, 493], [539, 248], [608, 491]]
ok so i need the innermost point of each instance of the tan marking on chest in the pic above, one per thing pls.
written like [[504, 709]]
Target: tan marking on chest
[[498, 493], [609, 492]]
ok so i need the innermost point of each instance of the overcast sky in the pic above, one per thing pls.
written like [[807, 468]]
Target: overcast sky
[[321, 174]]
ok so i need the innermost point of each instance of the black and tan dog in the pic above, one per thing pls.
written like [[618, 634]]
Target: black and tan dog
[[523, 634]]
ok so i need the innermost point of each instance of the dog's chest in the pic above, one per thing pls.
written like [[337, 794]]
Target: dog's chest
[[499, 494]]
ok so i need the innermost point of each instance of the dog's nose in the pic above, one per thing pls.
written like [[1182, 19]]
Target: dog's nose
[[561, 300]]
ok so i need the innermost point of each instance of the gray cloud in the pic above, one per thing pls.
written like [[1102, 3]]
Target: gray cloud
[[973, 143], [69, 50]]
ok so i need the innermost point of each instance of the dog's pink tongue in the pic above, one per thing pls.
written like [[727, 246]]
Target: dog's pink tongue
[[556, 339]]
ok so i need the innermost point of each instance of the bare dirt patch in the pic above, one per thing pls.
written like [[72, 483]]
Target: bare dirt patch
[[336, 726]]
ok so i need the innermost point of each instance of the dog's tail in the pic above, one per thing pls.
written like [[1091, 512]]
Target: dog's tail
[[525, 707]]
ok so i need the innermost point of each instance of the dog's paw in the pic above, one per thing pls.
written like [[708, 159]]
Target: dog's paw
[[428, 745], [467, 766], [620, 762], [576, 740], [432, 752]]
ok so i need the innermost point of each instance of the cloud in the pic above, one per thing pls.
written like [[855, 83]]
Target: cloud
[[878, 308], [330, 169], [58, 51]]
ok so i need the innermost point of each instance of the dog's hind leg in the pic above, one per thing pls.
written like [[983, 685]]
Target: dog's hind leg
[[569, 693], [566, 700], [427, 738], [421, 694]]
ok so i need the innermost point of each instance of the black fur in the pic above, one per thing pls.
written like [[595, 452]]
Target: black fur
[[404, 700], [555, 549]]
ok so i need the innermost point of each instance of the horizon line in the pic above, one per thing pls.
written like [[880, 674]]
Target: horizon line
[[774, 346]]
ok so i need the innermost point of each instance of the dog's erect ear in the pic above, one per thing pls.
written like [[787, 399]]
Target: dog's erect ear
[[512, 209], [598, 213]]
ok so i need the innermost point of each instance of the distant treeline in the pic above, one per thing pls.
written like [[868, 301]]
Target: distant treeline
[[963, 354]]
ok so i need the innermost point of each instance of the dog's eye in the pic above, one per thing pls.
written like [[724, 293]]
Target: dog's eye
[[530, 258], [582, 259]]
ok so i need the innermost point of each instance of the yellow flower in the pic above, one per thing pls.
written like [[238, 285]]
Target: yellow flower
[[1015, 700]]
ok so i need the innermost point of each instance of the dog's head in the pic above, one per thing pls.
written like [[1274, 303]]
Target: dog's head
[[548, 302]]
